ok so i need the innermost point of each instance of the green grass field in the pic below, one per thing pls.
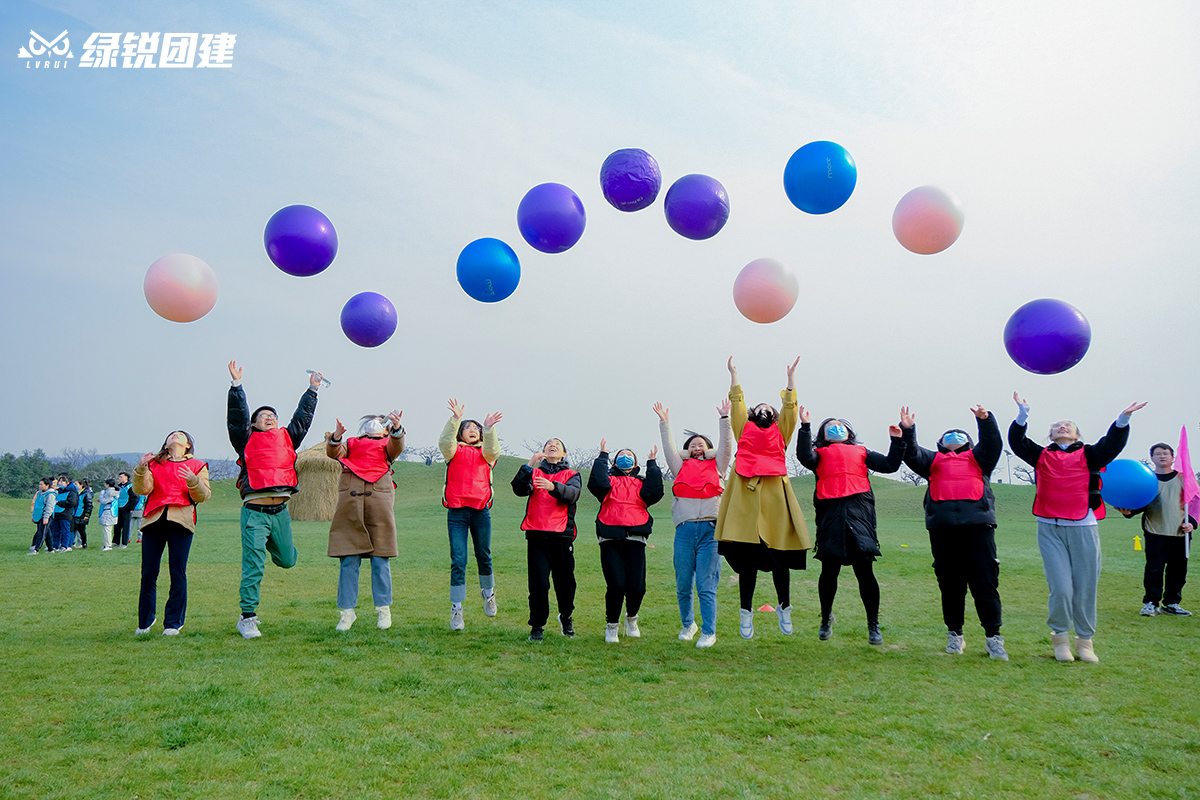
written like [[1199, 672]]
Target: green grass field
[[419, 711]]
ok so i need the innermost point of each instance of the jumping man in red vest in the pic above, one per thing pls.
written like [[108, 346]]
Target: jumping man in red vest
[[267, 456], [553, 489], [960, 514], [622, 525], [173, 482], [845, 509], [1067, 505], [470, 450]]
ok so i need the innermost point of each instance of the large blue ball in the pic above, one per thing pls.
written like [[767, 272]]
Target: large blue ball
[[820, 177], [368, 319], [488, 270], [1128, 484]]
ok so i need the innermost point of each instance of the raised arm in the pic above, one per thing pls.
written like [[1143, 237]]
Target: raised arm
[[237, 416], [302, 417], [991, 446], [670, 454], [804, 449], [916, 458], [652, 486], [491, 437], [724, 438], [877, 462], [598, 483]]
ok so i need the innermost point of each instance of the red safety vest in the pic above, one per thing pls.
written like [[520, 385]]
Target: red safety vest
[[955, 476], [623, 506], [1062, 484], [468, 479], [270, 459], [842, 471], [170, 488], [367, 457], [544, 512], [760, 452], [698, 478]]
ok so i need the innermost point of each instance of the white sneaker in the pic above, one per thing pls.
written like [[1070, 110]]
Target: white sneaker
[[248, 627], [385, 617], [688, 633], [995, 647], [954, 643], [456, 617], [489, 602], [347, 619], [140, 631], [105, 549], [1149, 610], [747, 624], [32, 552], [631, 627], [785, 620], [611, 632], [706, 640], [171, 632]]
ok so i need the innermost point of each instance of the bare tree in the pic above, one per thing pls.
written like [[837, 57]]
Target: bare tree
[[220, 469], [794, 468], [76, 458], [908, 476], [430, 454], [1025, 474]]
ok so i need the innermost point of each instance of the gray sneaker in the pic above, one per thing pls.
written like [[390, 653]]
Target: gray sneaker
[[1149, 610], [995, 647], [954, 643], [248, 628], [1176, 610]]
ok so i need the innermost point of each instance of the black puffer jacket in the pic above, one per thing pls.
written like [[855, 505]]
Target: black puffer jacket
[[947, 513], [599, 484]]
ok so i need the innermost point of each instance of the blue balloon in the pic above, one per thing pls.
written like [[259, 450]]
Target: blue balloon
[[820, 177], [551, 217], [488, 270], [368, 319], [1128, 484]]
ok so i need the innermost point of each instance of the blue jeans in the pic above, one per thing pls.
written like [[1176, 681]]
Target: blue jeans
[[478, 521], [381, 581], [161, 535], [64, 531], [696, 558]]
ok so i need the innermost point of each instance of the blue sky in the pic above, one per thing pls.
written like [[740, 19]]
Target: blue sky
[[1068, 131]]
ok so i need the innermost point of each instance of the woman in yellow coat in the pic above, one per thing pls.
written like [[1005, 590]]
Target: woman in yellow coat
[[760, 527]]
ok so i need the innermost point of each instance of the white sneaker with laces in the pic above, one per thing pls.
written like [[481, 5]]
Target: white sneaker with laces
[[746, 627], [785, 620], [347, 619], [954, 643], [140, 631], [248, 627], [688, 633], [456, 617], [489, 602], [612, 632], [631, 627], [995, 647], [385, 617], [706, 640], [171, 632], [1149, 610], [105, 549]]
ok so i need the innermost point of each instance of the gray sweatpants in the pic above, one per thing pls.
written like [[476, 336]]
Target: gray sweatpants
[[1071, 560]]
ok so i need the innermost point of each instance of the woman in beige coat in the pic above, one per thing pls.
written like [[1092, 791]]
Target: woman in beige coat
[[364, 524], [760, 527]]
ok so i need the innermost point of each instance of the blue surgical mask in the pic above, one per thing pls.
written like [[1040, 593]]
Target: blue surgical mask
[[624, 461], [836, 433], [954, 439]]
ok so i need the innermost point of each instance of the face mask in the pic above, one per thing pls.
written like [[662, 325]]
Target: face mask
[[954, 439], [624, 461], [836, 433], [373, 428]]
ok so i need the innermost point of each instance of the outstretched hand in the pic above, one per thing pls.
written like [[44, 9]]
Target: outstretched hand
[[1018, 400], [653, 453], [394, 419], [791, 373], [338, 429], [907, 418], [724, 407], [980, 412], [603, 445], [457, 409], [491, 419], [235, 372], [663, 413], [804, 417], [1133, 408], [894, 431], [314, 380]]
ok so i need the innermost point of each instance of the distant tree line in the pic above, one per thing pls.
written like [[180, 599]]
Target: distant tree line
[[19, 475]]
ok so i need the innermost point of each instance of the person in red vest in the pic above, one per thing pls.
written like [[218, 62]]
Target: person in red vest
[[622, 525], [699, 474], [760, 527], [960, 515], [173, 481], [845, 509], [470, 450], [1067, 505], [553, 490], [267, 457], [364, 523]]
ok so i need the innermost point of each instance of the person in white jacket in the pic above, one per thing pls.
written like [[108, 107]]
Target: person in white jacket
[[699, 478]]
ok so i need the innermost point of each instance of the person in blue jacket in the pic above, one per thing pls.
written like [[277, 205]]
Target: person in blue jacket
[[41, 511]]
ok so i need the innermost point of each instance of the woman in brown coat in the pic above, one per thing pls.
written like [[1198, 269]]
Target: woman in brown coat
[[364, 524]]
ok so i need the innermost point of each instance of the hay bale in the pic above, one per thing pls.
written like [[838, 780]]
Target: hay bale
[[319, 475]]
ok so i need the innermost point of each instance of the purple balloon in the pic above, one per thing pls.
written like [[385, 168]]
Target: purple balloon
[[697, 206], [368, 319], [1047, 336], [300, 240], [551, 217], [630, 179]]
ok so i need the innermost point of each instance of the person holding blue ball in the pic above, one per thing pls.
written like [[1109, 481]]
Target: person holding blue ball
[[1067, 505]]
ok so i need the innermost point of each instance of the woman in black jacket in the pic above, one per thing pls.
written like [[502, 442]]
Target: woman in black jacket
[[960, 514]]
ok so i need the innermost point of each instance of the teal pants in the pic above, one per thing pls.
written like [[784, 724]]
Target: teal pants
[[263, 533]]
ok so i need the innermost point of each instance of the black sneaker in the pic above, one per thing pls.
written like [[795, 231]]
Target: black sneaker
[[567, 628], [873, 634], [825, 632], [535, 636]]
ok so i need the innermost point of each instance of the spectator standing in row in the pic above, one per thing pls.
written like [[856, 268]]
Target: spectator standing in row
[[42, 509], [108, 511]]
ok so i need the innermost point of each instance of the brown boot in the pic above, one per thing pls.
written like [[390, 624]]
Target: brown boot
[[1062, 646], [1084, 648]]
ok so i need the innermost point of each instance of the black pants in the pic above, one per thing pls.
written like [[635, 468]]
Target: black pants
[[868, 587], [177, 540], [550, 556], [624, 566], [121, 531], [1164, 552], [81, 531], [783, 587], [964, 557], [42, 534]]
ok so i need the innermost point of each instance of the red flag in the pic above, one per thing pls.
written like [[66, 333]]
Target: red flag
[[1183, 465]]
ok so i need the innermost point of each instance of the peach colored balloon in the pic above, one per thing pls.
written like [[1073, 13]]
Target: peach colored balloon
[[180, 287], [765, 290], [927, 220]]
